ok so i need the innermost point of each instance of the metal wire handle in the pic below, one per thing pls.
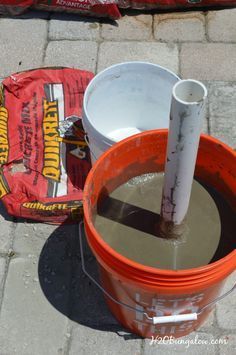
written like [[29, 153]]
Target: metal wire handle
[[87, 142], [155, 320]]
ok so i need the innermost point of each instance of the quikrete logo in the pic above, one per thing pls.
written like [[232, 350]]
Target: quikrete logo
[[4, 188], [51, 169], [4, 144], [53, 206]]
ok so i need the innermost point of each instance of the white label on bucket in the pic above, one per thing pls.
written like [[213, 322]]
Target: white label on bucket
[[139, 315]]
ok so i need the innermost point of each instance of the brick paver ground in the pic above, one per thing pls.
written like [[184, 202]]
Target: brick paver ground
[[47, 306]]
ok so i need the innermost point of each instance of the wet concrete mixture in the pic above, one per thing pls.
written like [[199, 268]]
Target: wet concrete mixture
[[128, 221]]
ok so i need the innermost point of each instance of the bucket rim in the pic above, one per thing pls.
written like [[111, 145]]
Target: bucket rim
[[132, 265], [86, 115]]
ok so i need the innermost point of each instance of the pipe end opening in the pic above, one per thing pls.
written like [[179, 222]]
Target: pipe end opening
[[189, 91]]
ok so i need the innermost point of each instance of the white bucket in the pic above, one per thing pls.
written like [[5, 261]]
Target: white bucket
[[125, 99]]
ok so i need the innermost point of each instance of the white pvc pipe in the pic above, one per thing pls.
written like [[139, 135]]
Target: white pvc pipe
[[186, 116], [175, 318]]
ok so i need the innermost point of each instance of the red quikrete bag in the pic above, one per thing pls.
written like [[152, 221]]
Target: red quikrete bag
[[84, 7], [97, 8], [173, 4], [44, 158]]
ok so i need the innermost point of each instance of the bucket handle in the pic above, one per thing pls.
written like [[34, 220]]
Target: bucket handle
[[155, 320], [87, 142]]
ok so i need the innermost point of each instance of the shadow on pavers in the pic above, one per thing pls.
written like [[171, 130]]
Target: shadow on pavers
[[67, 288], [4, 214]]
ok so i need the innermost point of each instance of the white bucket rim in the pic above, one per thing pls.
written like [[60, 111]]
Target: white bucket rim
[[110, 141]]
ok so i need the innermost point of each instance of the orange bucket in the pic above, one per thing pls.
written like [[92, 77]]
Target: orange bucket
[[151, 301]]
